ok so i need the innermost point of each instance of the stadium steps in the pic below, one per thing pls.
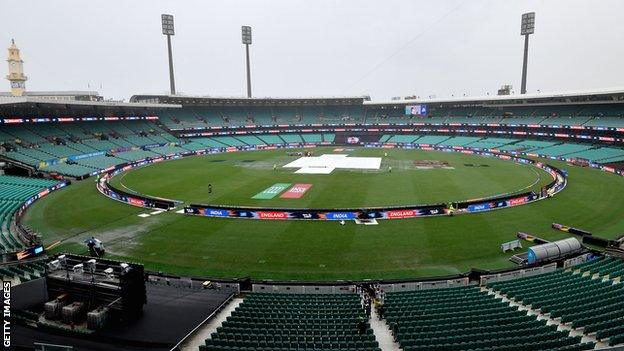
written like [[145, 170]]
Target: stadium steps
[[585, 339], [250, 140], [198, 338], [329, 137], [585, 298], [291, 138], [312, 138], [384, 138], [458, 141], [404, 139], [271, 321], [432, 139], [382, 333], [469, 318], [562, 149], [228, 141], [271, 139]]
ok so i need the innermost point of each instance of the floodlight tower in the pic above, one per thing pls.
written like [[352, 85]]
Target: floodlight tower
[[167, 29], [246, 30], [527, 27]]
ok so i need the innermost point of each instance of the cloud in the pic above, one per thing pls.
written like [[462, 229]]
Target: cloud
[[316, 48]]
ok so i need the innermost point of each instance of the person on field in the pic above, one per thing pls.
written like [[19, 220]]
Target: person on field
[[209, 188]]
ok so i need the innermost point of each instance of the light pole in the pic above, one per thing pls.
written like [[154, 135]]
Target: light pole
[[167, 29], [246, 32], [527, 27]]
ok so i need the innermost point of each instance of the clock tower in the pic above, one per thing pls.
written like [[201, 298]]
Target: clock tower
[[16, 71]]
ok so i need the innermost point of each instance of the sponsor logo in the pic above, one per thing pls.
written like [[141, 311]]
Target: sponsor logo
[[517, 201], [136, 202], [297, 191], [272, 215], [401, 214], [339, 215], [216, 212], [479, 207]]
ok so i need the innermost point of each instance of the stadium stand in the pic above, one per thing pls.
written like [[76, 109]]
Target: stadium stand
[[467, 318], [527, 145], [251, 140], [271, 139], [585, 296], [402, 139], [329, 137], [431, 139], [228, 141], [291, 138], [458, 141], [599, 154], [135, 155], [130, 142], [294, 322], [491, 143], [608, 266], [312, 138], [562, 149], [14, 191], [18, 273]]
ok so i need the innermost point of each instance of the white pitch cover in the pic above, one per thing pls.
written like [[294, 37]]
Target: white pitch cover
[[325, 164]]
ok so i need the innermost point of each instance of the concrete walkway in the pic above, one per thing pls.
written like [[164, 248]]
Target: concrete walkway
[[382, 333], [200, 335]]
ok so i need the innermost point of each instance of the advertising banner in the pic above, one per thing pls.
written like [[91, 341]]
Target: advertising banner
[[337, 216], [479, 207], [216, 212], [136, 202], [401, 213], [272, 215]]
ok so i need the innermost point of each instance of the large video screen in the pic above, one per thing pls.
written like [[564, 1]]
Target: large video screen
[[416, 110]]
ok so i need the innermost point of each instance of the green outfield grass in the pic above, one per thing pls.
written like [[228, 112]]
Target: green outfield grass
[[311, 250], [236, 178]]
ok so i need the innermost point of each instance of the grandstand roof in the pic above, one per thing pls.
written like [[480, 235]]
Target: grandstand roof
[[612, 95], [36, 106], [55, 93], [32, 100], [609, 95], [234, 101]]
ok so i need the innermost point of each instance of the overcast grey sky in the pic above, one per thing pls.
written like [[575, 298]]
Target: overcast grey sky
[[316, 48]]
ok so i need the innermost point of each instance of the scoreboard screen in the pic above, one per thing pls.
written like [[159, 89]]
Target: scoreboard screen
[[416, 110]]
